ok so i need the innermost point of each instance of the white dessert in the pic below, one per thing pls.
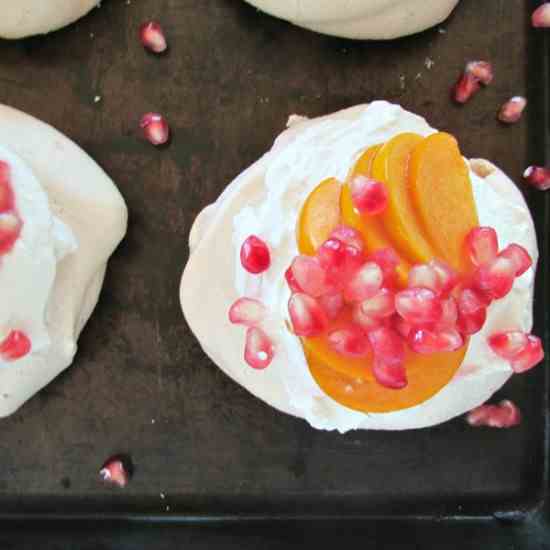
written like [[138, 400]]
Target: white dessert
[[73, 218], [21, 18], [265, 200], [361, 19]]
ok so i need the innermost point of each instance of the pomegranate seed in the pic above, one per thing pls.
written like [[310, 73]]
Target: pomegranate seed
[[393, 376], [349, 342], [519, 256], [310, 276], [10, 229], [504, 415], [380, 306], [340, 261], [333, 304], [369, 196], [496, 277], [387, 345], [366, 282], [508, 344], [448, 277], [155, 128], [291, 281], [512, 110], [116, 471], [401, 326], [258, 351], [15, 346], [428, 342], [538, 177], [529, 357], [247, 311], [424, 276], [348, 236], [472, 312], [388, 260], [152, 37], [541, 16], [7, 199], [465, 88], [449, 315], [255, 255], [481, 70], [482, 245], [419, 306], [307, 316], [364, 321]]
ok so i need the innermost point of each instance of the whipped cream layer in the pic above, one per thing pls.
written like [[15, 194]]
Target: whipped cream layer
[[266, 201]]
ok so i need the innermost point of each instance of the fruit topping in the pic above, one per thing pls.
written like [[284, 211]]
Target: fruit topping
[[350, 236], [519, 256], [379, 306], [387, 345], [389, 375], [258, 351], [509, 344], [504, 415], [310, 276], [529, 357], [482, 245], [472, 312], [370, 197], [10, 229], [419, 306], [247, 311], [307, 316], [365, 283], [291, 281], [339, 261], [7, 199], [15, 346], [332, 304], [496, 277], [350, 342], [255, 255], [425, 341]]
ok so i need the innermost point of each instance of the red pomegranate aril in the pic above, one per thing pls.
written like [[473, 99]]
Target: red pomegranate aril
[[508, 344], [482, 245], [258, 351], [15, 346], [340, 261], [364, 321], [401, 326], [307, 316], [155, 128], [310, 276], [427, 342], [496, 277], [482, 70], [388, 260], [504, 415], [115, 472], [349, 342], [529, 357], [449, 315], [388, 346], [519, 256], [448, 277], [538, 177], [152, 37], [541, 16], [332, 304], [369, 196], [380, 306], [7, 198], [247, 311], [472, 312], [512, 110], [424, 276], [10, 229], [255, 255], [392, 376], [291, 281], [366, 282], [348, 235], [466, 87], [419, 306]]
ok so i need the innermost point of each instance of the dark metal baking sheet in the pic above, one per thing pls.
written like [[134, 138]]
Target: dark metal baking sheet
[[203, 447]]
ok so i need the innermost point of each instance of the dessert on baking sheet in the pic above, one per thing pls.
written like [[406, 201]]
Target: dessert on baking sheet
[[61, 218], [364, 274]]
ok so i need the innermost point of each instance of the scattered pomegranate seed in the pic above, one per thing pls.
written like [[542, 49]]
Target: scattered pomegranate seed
[[369, 196], [255, 255], [307, 316], [340, 261], [428, 342], [393, 376], [152, 37], [482, 70], [366, 282], [482, 245], [310, 276], [519, 256], [512, 110], [541, 16], [333, 304], [15, 346], [538, 177], [10, 229], [380, 306], [155, 128], [529, 357], [387, 345], [7, 198], [366, 322], [497, 277], [472, 312], [247, 311], [349, 236], [349, 342], [449, 316], [419, 306], [424, 276], [116, 472], [388, 260], [258, 351], [448, 277], [465, 88], [504, 415], [509, 344], [291, 281]]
